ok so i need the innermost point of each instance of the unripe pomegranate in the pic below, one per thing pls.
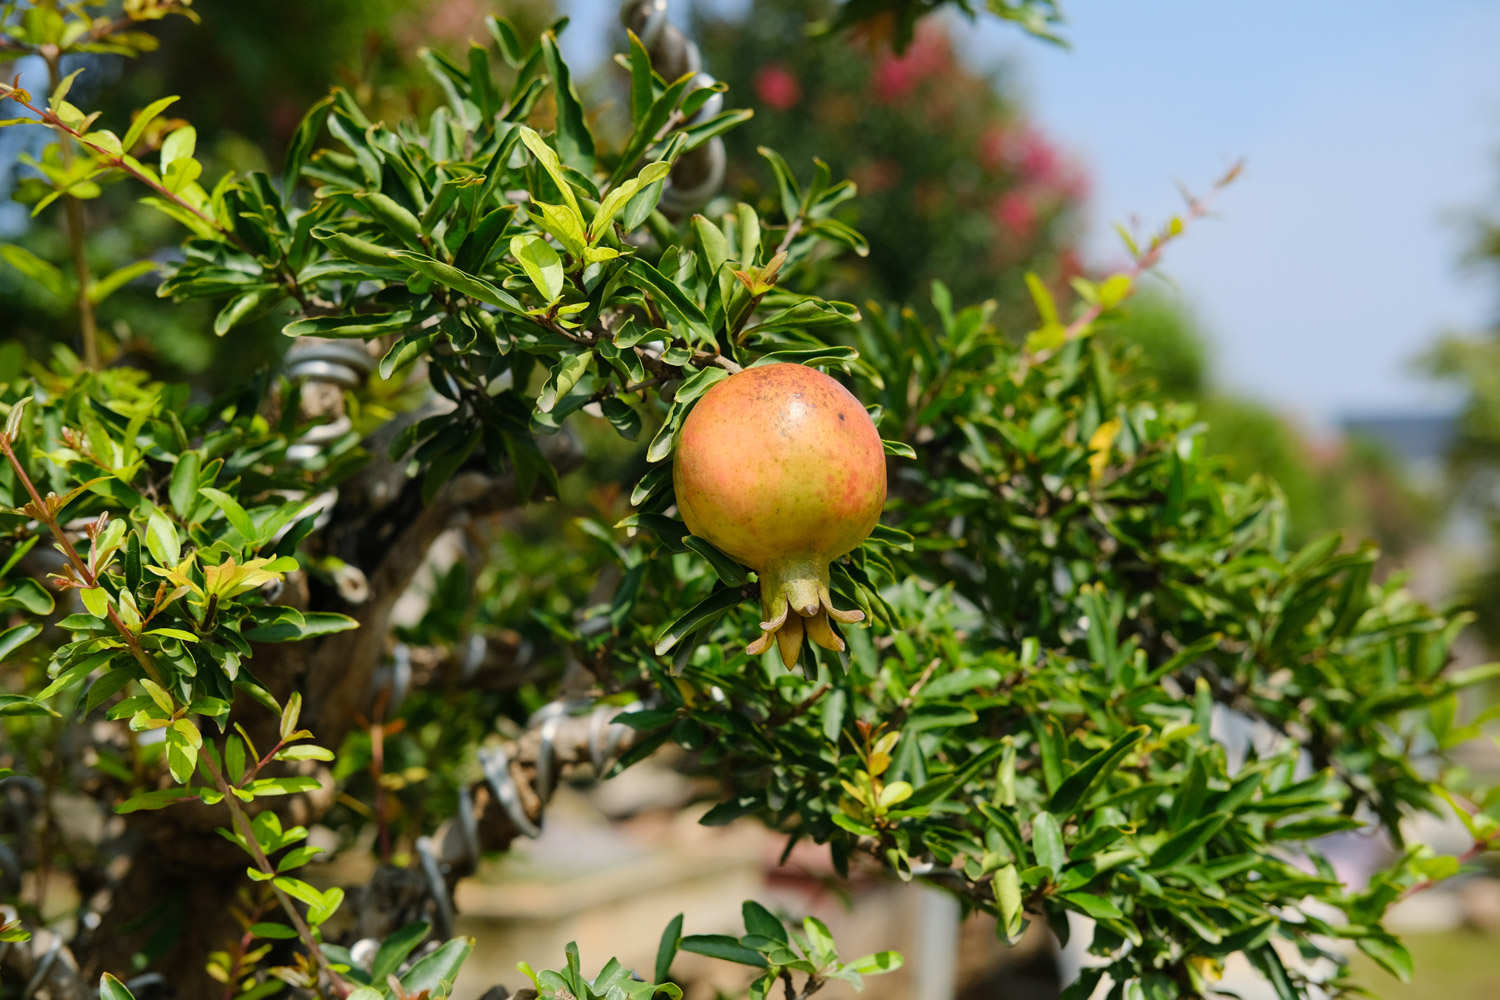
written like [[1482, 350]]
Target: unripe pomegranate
[[780, 467]]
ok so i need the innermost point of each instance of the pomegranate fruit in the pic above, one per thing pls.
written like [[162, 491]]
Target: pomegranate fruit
[[781, 468]]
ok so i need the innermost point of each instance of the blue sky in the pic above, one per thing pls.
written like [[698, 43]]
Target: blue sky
[[1368, 128]]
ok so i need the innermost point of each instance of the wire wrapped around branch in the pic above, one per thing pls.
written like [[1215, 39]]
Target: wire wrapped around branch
[[508, 801], [698, 173]]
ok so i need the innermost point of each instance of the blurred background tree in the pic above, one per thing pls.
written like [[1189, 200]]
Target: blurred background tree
[[1472, 362], [1351, 485], [956, 182]]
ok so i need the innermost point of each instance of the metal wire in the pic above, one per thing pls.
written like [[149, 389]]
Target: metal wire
[[442, 865], [698, 173], [329, 362]]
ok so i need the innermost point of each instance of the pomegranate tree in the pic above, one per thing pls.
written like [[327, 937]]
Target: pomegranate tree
[[782, 468]]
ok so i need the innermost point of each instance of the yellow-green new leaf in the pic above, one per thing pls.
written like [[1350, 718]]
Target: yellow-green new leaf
[[541, 264], [547, 157], [621, 195]]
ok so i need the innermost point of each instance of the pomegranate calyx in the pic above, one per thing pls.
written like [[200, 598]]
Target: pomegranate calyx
[[797, 603]]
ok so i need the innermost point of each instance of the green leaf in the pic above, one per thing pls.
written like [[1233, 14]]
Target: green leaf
[[621, 195], [541, 264], [1094, 906], [394, 949], [305, 751], [548, 158], [161, 539], [451, 277], [183, 489], [1007, 889], [327, 906], [671, 938], [158, 799], [232, 511], [729, 572], [722, 946], [505, 39], [290, 715], [282, 786], [60, 92], [1391, 955], [26, 594], [704, 613], [355, 248], [760, 921], [680, 311], [565, 225], [786, 183], [178, 145], [1186, 841], [397, 219], [46, 276], [574, 143], [274, 931], [820, 940], [115, 280], [879, 962], [182, 755], [303, 140], [20, 704], [1076, 787], [95, 600], [436, 972], [564, 377], [1115, 289], [159, 695], [1042, 297], [1047, 842], [13, 639], [143, 120], [111, 988], [363, 325]]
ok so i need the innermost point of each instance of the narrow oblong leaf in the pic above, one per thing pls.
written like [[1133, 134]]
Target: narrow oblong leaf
[[671, 938], [705, 612], [1047, 842], [1186, 841], [722, 946], [1075, 787]]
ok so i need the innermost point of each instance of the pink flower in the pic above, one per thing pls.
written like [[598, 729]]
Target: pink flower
[[1039, 159], [1015, 213], [897, 76], [992, 147], [777, 87], [1075, 185]]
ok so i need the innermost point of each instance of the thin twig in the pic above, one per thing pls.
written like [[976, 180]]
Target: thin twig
[[1142, 262], [242, 827], [80, 567], [73, 223], [123, 163]]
